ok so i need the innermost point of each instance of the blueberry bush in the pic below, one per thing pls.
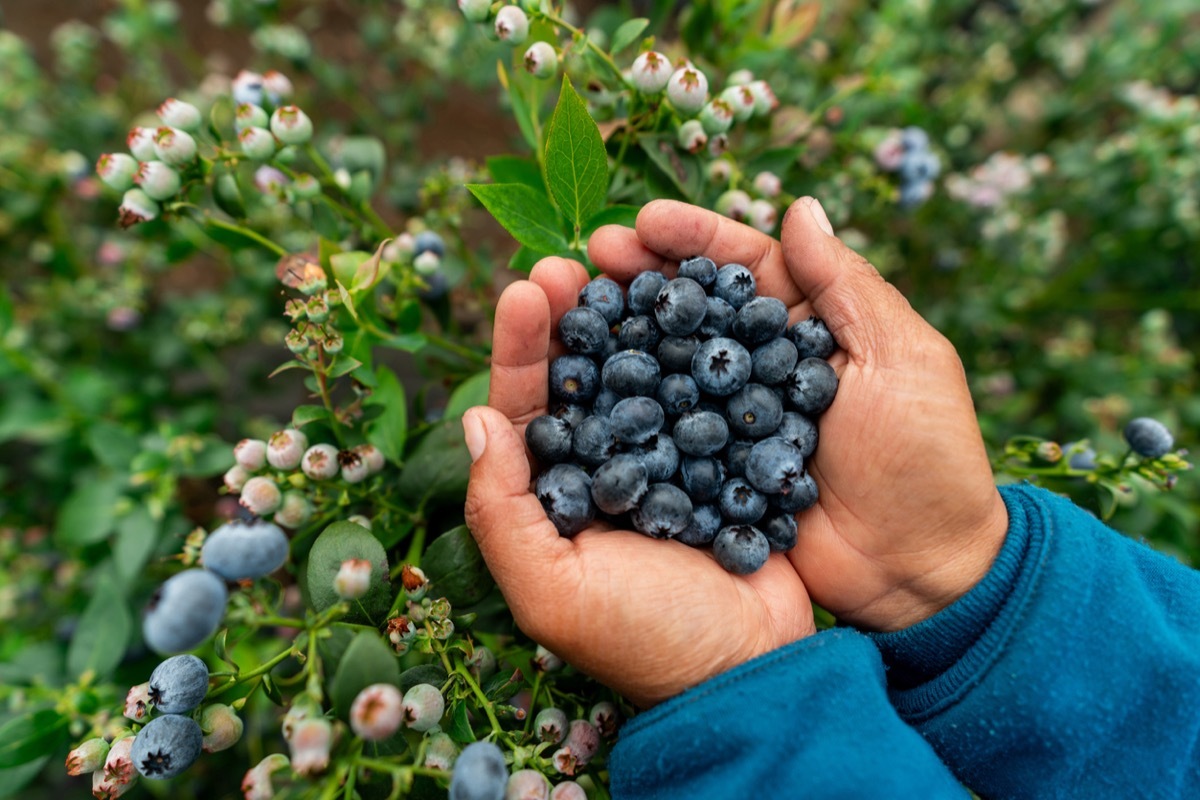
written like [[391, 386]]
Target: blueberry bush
[[250, 251]]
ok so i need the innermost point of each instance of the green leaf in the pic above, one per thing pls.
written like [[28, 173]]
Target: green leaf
[[514, 169], [627, 33], [111, 444], [89, 513], [347, 300], [502, 686], [137, 534], [456, 569], [227, 194], [683, 170], [343, 365], [303, 415], [389, 430], [345, 265], [460, 724], [438, 466], [433, 674], [102, 634], [525, 259], [13, 780], [612, 215], [408, 342], [525, 213], [371, 271], [471, 392], [31, 735], [576, 162], [340, 542], [367, 660]]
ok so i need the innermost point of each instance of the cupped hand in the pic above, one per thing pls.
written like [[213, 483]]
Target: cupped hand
[[649, 618], [909, 517]]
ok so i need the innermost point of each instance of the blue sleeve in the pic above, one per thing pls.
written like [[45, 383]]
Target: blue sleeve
[[808, 720], [1071, 670]]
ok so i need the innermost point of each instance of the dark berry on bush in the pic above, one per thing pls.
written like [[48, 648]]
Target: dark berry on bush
[[565, 491], [1148, 437], [639, 333], [635, 420], [631, 373], [1081, 459], [605, 400], [741, 549], [574, 378], [802, 496], [166, 747], [643, 292], [781, 532], [735, 457], [479, 773], [798, 431], [661, 457], [774, 466], [700, 269], [664, 512], [571, 413], [593, 442], [701, 477], [754, 411], [721, 366], [706, 521], [760, 320], [700, 433], [741, 503], [811, 386], [549, 439], [678, 393], [675, 353], [735, 285], [619, 484], [718, 318], [245, 550], [773, 361], [680, 307], [919, 167], [583, 330], [178, 684], [604, 295], [812, 338], [184, 611]]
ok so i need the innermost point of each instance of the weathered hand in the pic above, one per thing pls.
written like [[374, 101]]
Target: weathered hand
[[649, 618], [909, 517]]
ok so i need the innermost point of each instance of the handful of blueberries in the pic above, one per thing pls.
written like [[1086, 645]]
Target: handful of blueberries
[[685, 409]]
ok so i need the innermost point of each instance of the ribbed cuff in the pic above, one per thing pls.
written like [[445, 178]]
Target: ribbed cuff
[[930, 662]]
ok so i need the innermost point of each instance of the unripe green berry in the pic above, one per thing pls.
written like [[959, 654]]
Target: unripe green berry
[[423, 707], [294, 511], [305, 187], [117, 170], [741, 100], [734, 204], [179, 114], [247, 115], [475, 10], [174, 146], [291, 125], [140, 142], [88, 757], [221, 726], [257, 143], [158, 181], [137, 206], [716, 117], [691, 136]]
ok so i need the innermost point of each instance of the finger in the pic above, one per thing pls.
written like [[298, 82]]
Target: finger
[[520, 349], [561, 280], [678, 231], [865, 313], [521, 546], [620, 254]]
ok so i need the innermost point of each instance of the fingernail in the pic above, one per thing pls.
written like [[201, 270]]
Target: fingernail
[[475, 434], [818, 212]]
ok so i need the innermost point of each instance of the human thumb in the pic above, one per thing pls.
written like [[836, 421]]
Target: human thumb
[[861, 309]]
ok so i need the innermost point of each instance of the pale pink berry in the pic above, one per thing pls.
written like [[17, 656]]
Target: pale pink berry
[[762, 215], [716, 117], [377, 712], [277, 85], [739, 77], [257, 783], [140, 142], [107, 788], [764, 99], [222, 728], [440, 751], [353, 578], [179, 114], [235, 478], [320, 462], [512, 24], [250, 454], [285, 448], [584, 740], [137, 702], [545, 661], [88, 757], [359, 519], [768, 184], [717, 145], [354, 467], [741, 100], [541, 60], [889, 153], [117, 170], [118, 764], [691, 136], [527, 784], [261, 496], [372, 455], [687, 90], [651, 71], [734, 204], [136, 206], [719, 171], [568, 790], [294, 510], [174, 146], [310, 743]]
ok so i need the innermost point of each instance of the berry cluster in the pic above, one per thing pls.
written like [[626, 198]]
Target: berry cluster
[[906, 152], [167, 744], [686, 410]]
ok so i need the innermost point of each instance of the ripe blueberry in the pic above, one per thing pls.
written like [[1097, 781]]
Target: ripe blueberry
[[706, 521], [735, 285], [583, 330], [178, 684], [549, 439], [631, 372], [802, 496], [718, 317], [678, 393], [167, 746], [781, 532], [639, 333], [643, 291], [754, 411], [700, 433], [245, 550], [702, 478], [565, 492], [479, 773], [812, 338], [680, 307], [184, 611], [740, 502], [760, 320], [604, 295], [700, 269], [661, 457], [741, 549], [665, 511], [574, 378], [635, 420], [593, 442], [721, 366], [773, 361], [774, 466], [675, 353], [1148, 437], [619, 483], [811, 386]]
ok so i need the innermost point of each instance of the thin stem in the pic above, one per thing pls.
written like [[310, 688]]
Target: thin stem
[[248, 676], [461, 669], [605, 57], [249, 234]]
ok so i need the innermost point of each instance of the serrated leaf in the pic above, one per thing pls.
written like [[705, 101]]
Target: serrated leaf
[[31, 735], [627, 33], [525, 213], [304, 415], [389, 431], [455, 567], [576, 161], [471, 392], [89, 514], [612, 215], [102, 634], [340, 542], [367, 660], [437, 468]]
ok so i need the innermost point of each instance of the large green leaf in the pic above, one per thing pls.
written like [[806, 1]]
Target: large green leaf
[[471, 392], [340, 542], [389, 430], [576, 162], [437, 469], [30, 735], [627, 33], [514, 169], [89, 513], [366, 661], [13, 780], [137, 534], [102, 634], [612, 215], [525, 213], [456, 569]]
